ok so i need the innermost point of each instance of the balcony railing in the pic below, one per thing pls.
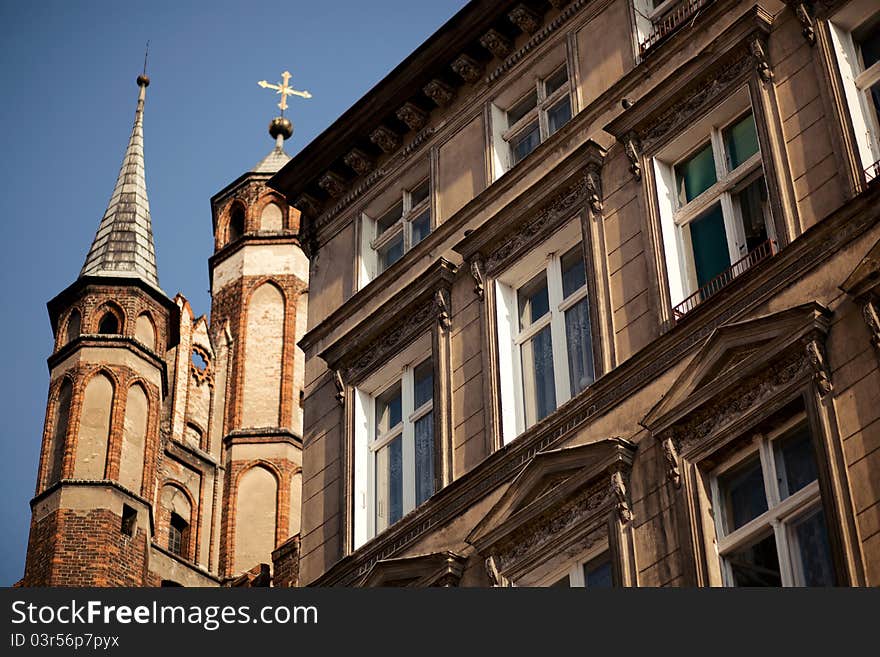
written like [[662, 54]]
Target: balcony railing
[[756, 255], [872, 173], [669, 22]]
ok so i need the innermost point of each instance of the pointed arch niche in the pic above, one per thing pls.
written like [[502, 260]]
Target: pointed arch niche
[[94, 428], [134, 437], [255, 516], [264, 342]]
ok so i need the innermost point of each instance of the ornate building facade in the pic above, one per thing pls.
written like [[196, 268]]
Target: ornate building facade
[[593, 300]]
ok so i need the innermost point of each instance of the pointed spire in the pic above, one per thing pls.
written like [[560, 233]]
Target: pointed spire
[[123, 245], [281, 129]]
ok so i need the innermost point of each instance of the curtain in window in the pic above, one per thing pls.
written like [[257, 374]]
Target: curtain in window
[[578, 345], [424, 430]]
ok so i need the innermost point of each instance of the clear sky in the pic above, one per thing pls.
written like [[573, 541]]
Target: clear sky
[[67, 74]]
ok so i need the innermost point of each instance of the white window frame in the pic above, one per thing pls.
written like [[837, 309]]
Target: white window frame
[[781, 515], [400, 370], [372, 243], [573, 569], [675, 219], [547, 257], [539, 113], [857, 81]]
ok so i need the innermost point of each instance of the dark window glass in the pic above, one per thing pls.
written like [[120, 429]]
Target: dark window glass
[[868, 40], [795, 462], [525, 142], [812, 552], [741, 141], [236, 223], [424, 437], [756, 564], [558, 115], [74, 324], [521, 108], [533, 300], [538, 382], [695, 175], [597, 573], [108, 325], [742, 493], [753, 207], [391, 253], [421, 227], [578, 344], [574, 273], [176, 533], [419, 194], [129, 520], [389, 412], [423, 377], [390, 218], [555, 80], [709, 242]]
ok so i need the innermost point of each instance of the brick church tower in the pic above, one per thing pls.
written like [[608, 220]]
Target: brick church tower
[[171, 453]]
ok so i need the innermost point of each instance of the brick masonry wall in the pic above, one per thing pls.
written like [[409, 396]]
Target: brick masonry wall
[[285, 564]]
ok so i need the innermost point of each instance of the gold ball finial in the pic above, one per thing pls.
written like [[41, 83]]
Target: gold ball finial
[[280, 125], [143, 80]]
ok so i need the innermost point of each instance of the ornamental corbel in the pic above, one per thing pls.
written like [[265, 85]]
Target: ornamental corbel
[[440, 92], [414, 116], [808, 29], [340, 387], [496, 579], [594, 187], [496, 43], [479, 276], [670, 455], [871, 313], [632, 147], [819, 364], [618, 490], [441, 299], [468, 68], [762, 62], [525, 19], [385, 138]]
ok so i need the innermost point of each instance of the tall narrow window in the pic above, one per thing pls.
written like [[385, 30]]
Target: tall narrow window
[[108, 325], [178, 529], [401, 226], [402, 445], [551, 335], [595, 573], [74, 326], [236, 223], [769, 516]]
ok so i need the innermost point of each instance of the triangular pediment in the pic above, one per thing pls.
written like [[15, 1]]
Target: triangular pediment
[[866, 275], [548, 480], [435, 569], [733, 352]]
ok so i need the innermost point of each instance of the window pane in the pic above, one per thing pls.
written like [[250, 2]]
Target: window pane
[[389, 483], [709, 241], [695, 175], [424, 430], [597, 573], [555, 80], [561, 583], [533, 301], [753, 207], [522, 108], [812, 555], [419, 194], [388, 410], [421, 227], [868, 41], [741, 141], [390, 218], [574, 273], [742, 494], [525, 142], [578, 343], [391, 253], [756, 565], [795, 462], [539, 390], [423, 377], [558, 115]]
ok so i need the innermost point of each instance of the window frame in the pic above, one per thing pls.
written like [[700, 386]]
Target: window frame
[[181, 534], [574, 569], [781, 515], [402, 227], [546, 258], [676, 219], [539, 113]]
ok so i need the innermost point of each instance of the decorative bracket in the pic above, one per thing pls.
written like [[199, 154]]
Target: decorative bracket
[[496, 43], [632, 147], [385, 138], [468, 68], [525, 19], [670, 454], [762, 63], [819, 364], [441, 298], [333, 184], [808, 29], [496, 579], [618, 489], [594, 187], [440, 92], [871, 313], [415, 117], [340, 387], [479, 277], [359, 161]]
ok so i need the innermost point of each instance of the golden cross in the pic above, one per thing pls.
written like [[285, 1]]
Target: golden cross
[[284, 89]]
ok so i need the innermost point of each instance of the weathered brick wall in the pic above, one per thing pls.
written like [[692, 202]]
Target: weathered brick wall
[[285, 563]]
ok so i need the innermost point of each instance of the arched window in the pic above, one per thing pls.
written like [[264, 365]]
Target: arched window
[[109, 324], [236, 223], [178, 535], [271, 218], [145, 331], [74, 326], [59, 433]]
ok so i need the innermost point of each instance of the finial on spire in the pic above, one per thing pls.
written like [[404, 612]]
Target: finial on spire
[[284, 89], [143, 80]]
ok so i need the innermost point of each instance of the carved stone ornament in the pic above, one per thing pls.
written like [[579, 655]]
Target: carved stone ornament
[[359, 161], [333, 184], [525, 19], [670, 455], [385, 138], [762, 63], [594, 187], [871, 313], [415, 117], [631, 147], [496, 579], [440, 92], [340, 387], [468, 68], [202, 374], [807, 27], [819, 364], [308, 205], [558, 4], [496, 43], [479, 277], [618, 489], [441, 298]]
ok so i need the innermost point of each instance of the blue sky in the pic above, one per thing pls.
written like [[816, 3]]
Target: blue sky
[[68, 69]]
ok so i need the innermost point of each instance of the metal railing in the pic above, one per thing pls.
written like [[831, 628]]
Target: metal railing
[[872, 173], [669, 22], [756, 255]]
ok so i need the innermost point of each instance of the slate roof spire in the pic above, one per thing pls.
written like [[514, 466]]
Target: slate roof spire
[[123, 245]]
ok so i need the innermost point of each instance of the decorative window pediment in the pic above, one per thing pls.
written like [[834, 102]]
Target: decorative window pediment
[[743, 368], [558, 505], [437, 569]]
